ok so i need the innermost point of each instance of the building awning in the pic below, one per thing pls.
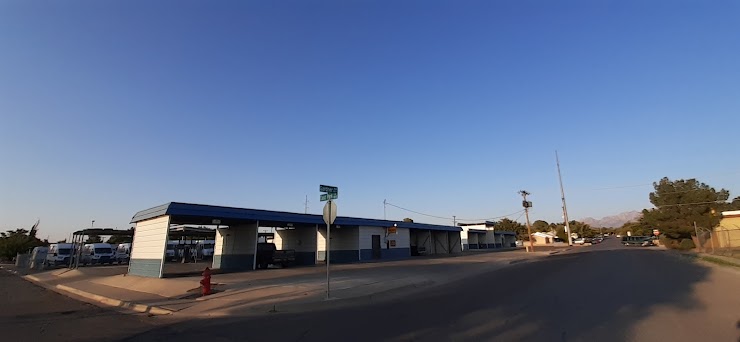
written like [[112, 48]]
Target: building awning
[[200, 214]]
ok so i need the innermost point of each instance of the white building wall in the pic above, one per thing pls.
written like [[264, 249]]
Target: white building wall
[[278, 239], [320, 244], [148, 247], [235, 247], [302, 239], [150, 238], [366, 239], [402, 237]]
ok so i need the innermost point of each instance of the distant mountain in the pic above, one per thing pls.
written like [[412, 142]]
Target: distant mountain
[[613, 221]]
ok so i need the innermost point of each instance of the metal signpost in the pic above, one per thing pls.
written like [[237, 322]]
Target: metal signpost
[[330, 214]]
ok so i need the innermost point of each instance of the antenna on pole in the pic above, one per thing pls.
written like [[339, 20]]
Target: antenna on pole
[[562, 196], [306, 205]]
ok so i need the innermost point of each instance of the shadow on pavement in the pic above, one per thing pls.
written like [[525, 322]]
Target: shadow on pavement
[[576, 297]]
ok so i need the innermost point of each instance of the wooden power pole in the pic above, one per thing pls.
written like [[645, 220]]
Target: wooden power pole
[[526, 204]]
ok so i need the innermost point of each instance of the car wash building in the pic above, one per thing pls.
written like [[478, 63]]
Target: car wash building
[[237, 231], [485, 236]]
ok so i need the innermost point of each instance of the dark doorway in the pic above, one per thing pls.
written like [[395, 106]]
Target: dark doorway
[[376, 246]]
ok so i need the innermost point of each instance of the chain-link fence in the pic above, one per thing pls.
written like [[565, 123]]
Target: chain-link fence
[[723, 240]]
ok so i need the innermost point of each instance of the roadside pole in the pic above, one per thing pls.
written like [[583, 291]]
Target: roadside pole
[[696, 230], [330, 214], [328, 248], [526, 204]]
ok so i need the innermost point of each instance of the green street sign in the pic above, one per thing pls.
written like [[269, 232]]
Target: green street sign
[[329, 196], [328, 188]]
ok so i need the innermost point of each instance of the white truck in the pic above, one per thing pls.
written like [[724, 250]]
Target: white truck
[[59, 254], [97, 253]]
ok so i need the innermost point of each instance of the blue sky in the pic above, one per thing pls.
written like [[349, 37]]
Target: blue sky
[[444, 107]]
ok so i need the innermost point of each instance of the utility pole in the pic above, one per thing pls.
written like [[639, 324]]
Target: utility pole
[[699, 247], [526, 204], [306, 205], [384, 205], [454, 220], [565, 208]]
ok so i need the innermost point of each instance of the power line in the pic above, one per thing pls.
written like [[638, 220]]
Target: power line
[[448, 217], [494, 218], [416, 212]]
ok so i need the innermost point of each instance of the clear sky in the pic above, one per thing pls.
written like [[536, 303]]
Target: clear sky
[[444, 107]]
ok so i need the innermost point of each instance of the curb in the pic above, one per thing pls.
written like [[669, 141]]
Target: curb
[[143, 308]]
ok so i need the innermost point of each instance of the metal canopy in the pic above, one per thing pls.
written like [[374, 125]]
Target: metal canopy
[[192, 232], [105, 231], [188, 213], [478, 231]]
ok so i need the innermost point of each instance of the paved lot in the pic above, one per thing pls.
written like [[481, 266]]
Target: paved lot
[[598, 293]]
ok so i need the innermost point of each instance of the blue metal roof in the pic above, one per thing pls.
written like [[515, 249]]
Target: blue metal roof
[[202, 211], [480, 231]]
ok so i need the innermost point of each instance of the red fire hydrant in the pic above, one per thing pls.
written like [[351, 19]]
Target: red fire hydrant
[[205, 283]]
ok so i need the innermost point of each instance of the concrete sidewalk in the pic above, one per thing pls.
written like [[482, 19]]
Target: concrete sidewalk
[[258, 292]]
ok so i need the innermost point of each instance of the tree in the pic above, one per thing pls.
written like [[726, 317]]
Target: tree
[[17, 241], [680, 203], [582, 229], [561, 234], [408, 220], [117, 239], [540, 226], [512, 226], [93, 239]]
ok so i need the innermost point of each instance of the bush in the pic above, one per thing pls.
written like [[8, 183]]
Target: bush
[[668, 242], [686, 244]]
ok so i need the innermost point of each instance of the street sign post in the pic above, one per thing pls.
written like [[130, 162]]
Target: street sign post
[[329, 196], [330, 214], [329, 189]]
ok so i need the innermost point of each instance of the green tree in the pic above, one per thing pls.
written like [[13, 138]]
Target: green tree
[[540, 226], [116, 239], [512, 226], [93, 239], [17, 241], [582, 229], [561, 234], [680, 203]]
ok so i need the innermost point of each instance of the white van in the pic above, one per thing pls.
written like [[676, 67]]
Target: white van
[[59, 254], [38, 257], [97, 253], [123, 253], [171, 246], [205, 248]]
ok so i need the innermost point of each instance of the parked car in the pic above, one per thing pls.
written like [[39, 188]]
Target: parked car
[[579, 241], [59, 254], [97, 254], [268, 254]]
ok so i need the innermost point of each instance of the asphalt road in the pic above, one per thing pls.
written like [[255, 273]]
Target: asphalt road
[[604, 292], [32, 313]]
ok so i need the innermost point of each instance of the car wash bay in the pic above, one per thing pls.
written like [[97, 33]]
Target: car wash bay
[[352, 239]]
